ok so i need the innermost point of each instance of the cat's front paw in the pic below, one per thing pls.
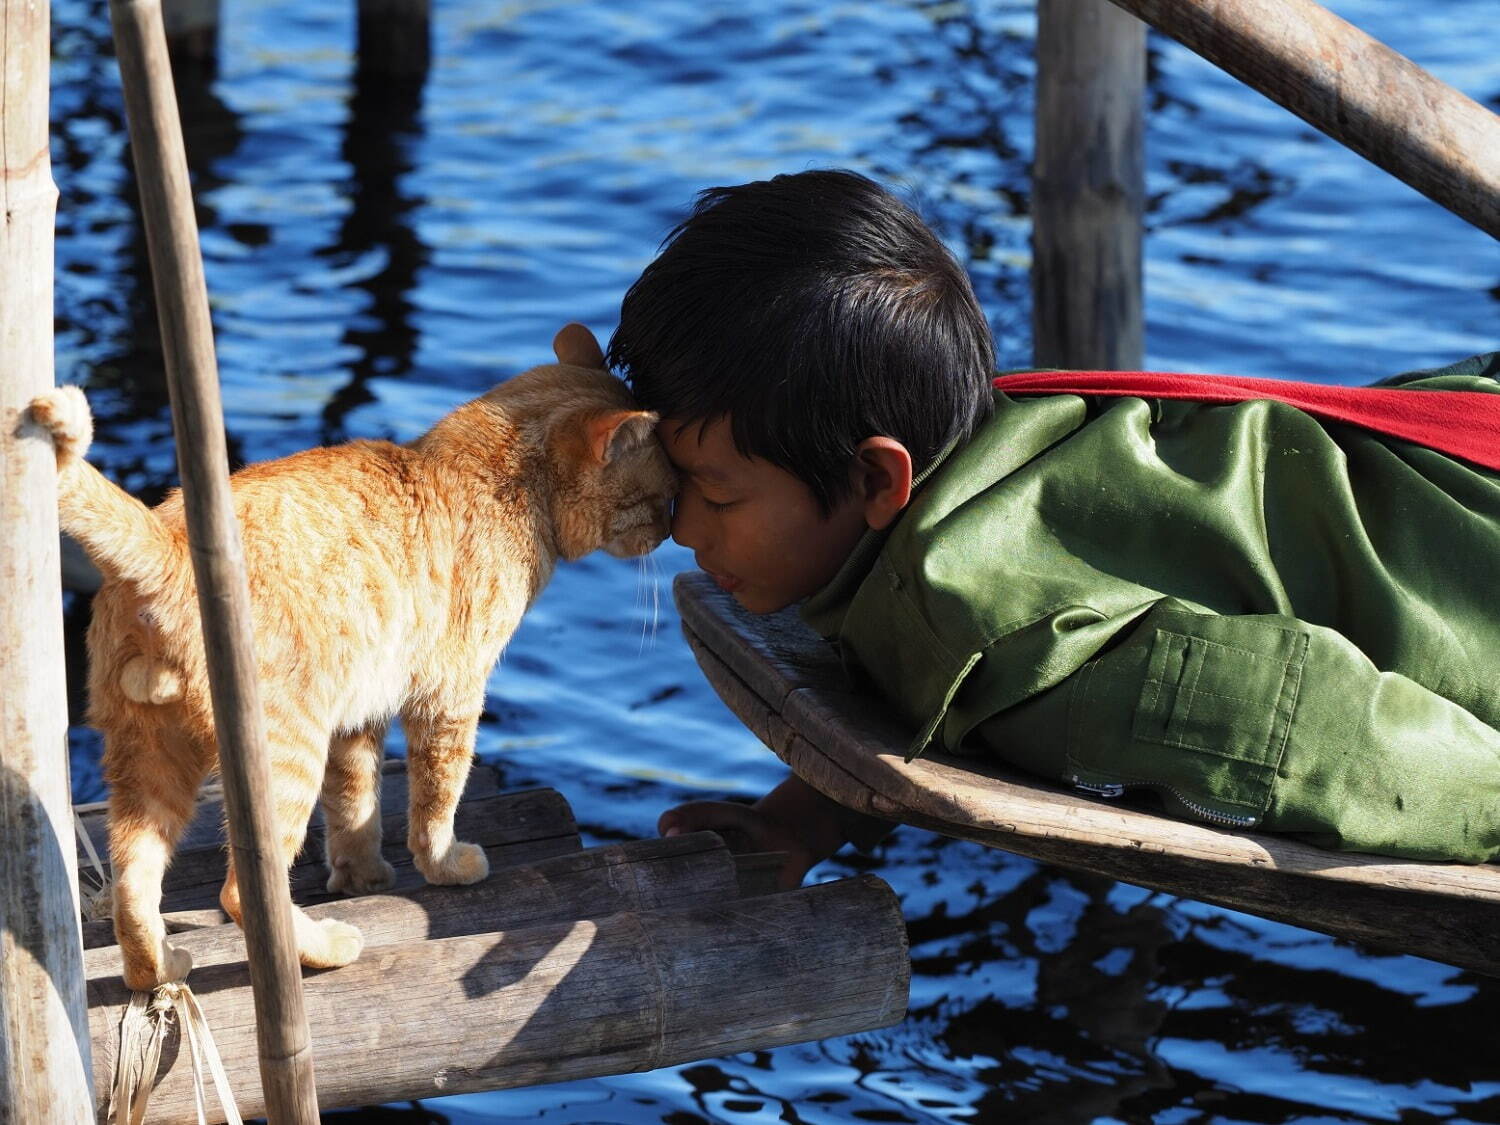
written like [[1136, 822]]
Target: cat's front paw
[[329, 944], [460, 865], [366, 876]]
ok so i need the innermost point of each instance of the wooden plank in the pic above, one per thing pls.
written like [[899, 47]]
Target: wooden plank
[[1352, 87], [686, 870], [44, 1044], [512, 828], [573, 999], [849, 746], [207, 826], [1088, 187]]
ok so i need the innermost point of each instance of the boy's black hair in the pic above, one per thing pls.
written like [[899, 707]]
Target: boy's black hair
[[815, 310]]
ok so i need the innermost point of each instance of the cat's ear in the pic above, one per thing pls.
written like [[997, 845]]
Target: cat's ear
[[616, 433], [574, 344]]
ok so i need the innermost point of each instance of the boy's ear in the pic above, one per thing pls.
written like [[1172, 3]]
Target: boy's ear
[[882, 479], [616, 433], [574, 344]]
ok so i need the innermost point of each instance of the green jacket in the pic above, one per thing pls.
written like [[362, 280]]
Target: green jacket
[[1265, 620]]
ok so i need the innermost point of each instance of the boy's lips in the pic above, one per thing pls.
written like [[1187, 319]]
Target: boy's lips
[[725, 582]]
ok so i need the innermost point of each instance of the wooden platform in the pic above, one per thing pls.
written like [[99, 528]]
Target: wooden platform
[[785, 683], [566, 962]]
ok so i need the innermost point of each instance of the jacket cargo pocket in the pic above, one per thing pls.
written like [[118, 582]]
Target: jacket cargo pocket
[[1208, 715]]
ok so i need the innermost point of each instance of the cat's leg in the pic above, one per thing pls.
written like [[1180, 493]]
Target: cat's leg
[[298, 752], [153, 787], [351, 812], [440, 746]]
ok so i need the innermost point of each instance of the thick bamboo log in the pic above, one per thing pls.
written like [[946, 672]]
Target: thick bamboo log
[[44, 1046], [1352, 87], [565, 1000], [218, 562], [640, 875], [1088, 187]]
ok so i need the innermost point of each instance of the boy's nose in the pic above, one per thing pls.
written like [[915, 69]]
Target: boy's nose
[[684, 528]]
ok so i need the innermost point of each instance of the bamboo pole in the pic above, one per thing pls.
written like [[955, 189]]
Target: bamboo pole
[[286, 1064], [1352, 87], [45, 1061], [1088, 187], [572, 999]]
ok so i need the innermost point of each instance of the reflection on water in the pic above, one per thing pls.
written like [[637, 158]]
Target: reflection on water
[[378, 251]]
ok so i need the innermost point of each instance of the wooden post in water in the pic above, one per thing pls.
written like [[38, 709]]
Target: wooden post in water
[[394, 39], [192, 29], [286, 1067], [1088, 187], [45, 1061]]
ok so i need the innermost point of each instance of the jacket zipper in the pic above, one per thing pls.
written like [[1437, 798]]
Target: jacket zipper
[[1110, 790]]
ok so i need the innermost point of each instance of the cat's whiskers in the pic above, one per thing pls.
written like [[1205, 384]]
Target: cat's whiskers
[[647, 576]]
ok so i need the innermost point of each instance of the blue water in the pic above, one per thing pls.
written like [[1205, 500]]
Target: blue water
[[377, 255]]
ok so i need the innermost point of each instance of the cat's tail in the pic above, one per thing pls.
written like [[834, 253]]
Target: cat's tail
[[122, 536]]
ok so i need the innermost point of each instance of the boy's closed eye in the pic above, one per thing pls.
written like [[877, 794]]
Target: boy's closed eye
[[690, 483]]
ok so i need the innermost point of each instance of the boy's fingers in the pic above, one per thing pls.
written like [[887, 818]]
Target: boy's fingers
[[733, 822]]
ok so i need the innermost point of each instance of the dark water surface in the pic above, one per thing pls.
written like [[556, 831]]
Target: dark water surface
[[378, 255]]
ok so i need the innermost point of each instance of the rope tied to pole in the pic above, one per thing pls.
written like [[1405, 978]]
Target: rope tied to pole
[[143, 1030]]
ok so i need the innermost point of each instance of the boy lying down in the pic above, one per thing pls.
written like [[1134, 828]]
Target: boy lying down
[[1265, 617]]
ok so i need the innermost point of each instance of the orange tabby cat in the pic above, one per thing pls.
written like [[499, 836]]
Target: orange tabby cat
[[384, 580]]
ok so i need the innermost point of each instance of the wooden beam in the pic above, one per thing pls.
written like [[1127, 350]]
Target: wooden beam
[[563, 1000], [687, 870], [206, 829], [45, 1063], [218, 563], [1352, 87], [513, 829], [1088, 187]]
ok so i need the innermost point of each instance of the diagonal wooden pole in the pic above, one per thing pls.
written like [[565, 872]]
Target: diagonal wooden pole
[[1354, 88], [286, 1067], [44, 1046]]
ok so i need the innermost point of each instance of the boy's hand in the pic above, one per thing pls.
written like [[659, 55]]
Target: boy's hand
[[745, 828]]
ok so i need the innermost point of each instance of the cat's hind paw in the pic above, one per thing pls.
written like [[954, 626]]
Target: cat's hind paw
[[361, 877], [460, 865]]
